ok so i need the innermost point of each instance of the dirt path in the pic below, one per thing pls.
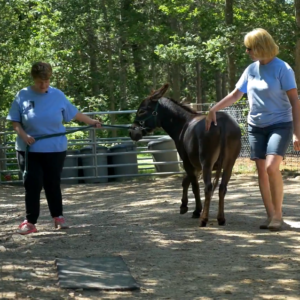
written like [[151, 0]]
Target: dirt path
[[167, 253]]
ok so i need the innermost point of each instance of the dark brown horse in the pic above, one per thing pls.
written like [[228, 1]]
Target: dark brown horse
[[200, 150]]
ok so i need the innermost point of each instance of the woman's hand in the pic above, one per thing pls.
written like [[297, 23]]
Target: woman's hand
[[296, 143], [96, 123], [87, 120], [293, 97], [29, 140], [211, 117], [231, 98]]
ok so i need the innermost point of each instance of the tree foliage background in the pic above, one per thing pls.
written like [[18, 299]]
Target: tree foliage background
[[109, 54]]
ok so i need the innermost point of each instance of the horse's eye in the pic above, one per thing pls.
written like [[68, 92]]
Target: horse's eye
[[141, 111]]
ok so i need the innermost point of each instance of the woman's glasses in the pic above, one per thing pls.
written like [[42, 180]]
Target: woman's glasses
[[248, 49]]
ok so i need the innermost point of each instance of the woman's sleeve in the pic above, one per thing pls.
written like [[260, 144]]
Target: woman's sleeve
[[287, 78], [243, 82], [14, 113], [69, 111]]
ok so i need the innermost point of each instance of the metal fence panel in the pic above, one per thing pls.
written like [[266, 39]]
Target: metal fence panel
[[147, 166]]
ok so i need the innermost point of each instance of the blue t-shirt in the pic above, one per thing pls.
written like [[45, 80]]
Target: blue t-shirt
[[266, 86], [42, 114]]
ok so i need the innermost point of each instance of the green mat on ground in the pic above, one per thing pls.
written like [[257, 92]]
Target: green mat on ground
[[104, 273]]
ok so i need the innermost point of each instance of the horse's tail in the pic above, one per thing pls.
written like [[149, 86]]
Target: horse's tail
[[220, 161]]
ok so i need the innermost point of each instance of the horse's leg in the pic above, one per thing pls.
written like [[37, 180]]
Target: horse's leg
[[196, 192], [184, 201], [206, 175], [227, 171], [192, 178]]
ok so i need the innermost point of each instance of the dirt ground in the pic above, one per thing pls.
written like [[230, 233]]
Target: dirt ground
[[168, 254]]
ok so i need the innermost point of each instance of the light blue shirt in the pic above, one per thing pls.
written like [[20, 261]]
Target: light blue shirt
[[266, 87], [42, 114]]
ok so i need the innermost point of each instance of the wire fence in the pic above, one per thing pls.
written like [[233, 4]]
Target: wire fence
[[94, 159], [239, 112], [117, 158]]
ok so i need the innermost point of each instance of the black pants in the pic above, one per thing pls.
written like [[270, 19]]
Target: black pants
[[44, 170]]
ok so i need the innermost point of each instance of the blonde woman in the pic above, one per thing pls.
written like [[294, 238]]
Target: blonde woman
[[273, 119]]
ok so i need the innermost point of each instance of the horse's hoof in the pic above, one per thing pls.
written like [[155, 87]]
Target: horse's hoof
[[196, 215], [222, 222], [183, 210], [203, 224]]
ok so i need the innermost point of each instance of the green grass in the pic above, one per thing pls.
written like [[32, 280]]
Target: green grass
[[144, 158]]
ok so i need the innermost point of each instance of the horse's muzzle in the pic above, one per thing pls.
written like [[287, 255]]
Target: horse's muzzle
[[136, 133]]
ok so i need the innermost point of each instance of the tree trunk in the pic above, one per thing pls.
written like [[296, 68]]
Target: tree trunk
[[2, 151], [175, 67], [154, 73], [111, 84], [110, 69], [175, 81], [224, 84], [123, 80], [230, 50], [199, 99], [218, 85], [297, 52], [94, 71], [169, 72], [137, 62], [123, 26]]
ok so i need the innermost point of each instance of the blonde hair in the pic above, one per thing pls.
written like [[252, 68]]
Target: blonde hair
[[41, 70], [261, 44]]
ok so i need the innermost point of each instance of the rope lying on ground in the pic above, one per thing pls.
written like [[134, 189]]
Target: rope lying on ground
[[65, 133]]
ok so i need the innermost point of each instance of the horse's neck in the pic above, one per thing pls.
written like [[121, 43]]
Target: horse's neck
[[174, 118]]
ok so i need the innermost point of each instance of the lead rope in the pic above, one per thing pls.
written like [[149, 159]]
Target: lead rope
[[25, 173]]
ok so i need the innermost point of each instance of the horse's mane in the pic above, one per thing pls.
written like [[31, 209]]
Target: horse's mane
[[185, 107]]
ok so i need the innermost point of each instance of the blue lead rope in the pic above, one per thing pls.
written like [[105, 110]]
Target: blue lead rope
[[64, 133]]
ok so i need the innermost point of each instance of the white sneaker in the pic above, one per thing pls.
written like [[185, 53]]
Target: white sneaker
[[60, 223], [26, 228]]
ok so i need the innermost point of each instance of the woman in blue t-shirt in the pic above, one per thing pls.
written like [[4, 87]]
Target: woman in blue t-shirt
[[40, 110], [274, 117]]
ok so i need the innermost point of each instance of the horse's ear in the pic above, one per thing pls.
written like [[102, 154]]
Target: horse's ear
[[183, 100], [186, 100], [160, 92]]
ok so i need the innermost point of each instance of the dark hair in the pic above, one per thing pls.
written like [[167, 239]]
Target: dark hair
[[41, 70]]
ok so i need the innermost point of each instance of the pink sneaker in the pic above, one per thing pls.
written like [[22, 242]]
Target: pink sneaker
[[26, 228], [60, 223]]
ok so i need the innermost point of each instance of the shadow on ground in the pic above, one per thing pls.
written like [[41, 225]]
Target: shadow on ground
[[168, 254]]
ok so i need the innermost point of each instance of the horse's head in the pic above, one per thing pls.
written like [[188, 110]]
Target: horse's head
[[146, 119]]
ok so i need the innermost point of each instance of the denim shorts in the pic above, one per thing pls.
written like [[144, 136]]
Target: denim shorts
[[273, 139]]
